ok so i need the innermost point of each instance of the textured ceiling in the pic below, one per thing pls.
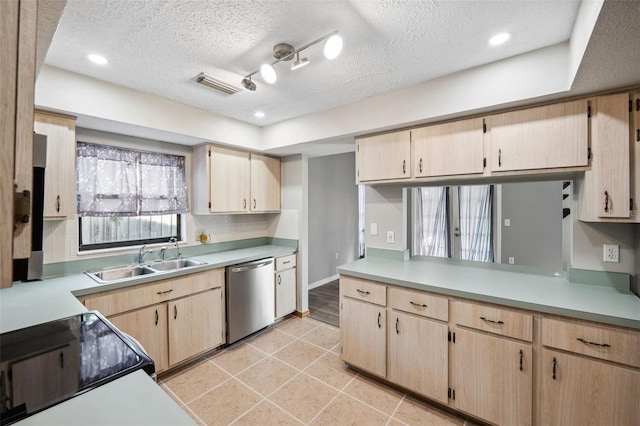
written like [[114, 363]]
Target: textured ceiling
[[159, 46]]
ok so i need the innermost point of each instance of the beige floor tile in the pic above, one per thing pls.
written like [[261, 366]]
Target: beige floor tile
[[299, 354], [271, 340], [267, 375], [415, 412], [266, 413], [238, 358], [225, 403], [304, 397], [394, 422], [171, 394], [297, 326], [375, 394], [345, 410], [325, 337], [195, 381], [330, 369], [336, 349]]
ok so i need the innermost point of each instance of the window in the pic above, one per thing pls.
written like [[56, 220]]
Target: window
[[466, 209], [128, 197]]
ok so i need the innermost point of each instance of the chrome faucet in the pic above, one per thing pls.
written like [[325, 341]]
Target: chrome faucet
[[163, 251], [143, 253]]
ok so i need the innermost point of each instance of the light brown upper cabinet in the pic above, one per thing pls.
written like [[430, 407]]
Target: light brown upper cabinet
[[384, 157], [609, 190], [265, 183], [231, 181], [546, 137], [447, 149], [60, 181]]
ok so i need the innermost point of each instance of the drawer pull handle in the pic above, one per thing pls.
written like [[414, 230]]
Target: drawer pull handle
[[164, 292], [417, 305], [586, 342], [58, 204], [397, 324], [156, 317], [606, 201], [279, 279], [285, 262], [404, 166], [521, 356], [363, 292], [175, 312], [61, 360], [491, 321], [553, 376], [379, 316], [420, 165]]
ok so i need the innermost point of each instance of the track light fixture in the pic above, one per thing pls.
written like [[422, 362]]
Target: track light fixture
[[286, 52]]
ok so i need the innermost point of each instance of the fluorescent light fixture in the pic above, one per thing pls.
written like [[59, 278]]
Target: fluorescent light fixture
[[268, 73], [97, 59], [259, 114], [333, 47], [299, 63], [498, 39], [216, 84]]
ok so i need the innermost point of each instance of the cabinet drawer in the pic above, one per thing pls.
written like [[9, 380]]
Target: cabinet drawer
[[363, 290], [285, 262], [495, 320], [419, 303], [598, 342], [128, 299]]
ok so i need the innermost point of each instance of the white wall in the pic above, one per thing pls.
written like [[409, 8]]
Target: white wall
[[333, 215]]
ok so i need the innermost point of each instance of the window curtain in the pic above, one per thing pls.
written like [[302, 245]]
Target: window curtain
[[432, 226], [121, 182], [476, 233]]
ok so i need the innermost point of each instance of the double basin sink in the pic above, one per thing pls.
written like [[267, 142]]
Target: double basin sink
[[124, 273]]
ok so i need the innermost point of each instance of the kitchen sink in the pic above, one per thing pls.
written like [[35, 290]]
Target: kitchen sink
[[171, 265], [121, 273], [125, 273]]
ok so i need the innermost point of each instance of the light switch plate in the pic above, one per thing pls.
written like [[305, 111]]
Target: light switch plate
[[373, 229], [507, 222]]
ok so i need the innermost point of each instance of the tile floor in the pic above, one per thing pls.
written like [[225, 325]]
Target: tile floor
[[291, 375]]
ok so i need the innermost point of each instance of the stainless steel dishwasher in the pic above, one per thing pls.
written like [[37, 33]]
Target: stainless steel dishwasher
[[250, 298]]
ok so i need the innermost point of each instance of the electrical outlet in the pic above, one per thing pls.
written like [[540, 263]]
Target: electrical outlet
[[512, 260], [611, 253], [391, 237]]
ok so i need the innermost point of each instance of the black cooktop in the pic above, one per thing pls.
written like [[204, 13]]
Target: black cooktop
[[48, 363]]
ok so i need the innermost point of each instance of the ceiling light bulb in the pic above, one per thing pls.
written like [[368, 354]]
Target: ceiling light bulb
[[499, 39], [299, 63], [248, 84], [259, 114], [268, 73], [97, 59], [333, 47]]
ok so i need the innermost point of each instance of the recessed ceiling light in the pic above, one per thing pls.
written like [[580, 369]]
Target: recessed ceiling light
[[499, 39], [97, 59], [259, 114]]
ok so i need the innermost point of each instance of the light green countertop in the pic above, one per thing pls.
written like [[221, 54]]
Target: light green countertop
[[136, 398], [537, 292]]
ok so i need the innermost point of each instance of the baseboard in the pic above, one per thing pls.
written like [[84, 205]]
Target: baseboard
[[301, 314], [323, 282]]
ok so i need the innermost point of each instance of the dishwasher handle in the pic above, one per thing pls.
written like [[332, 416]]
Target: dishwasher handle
[[250, 266]]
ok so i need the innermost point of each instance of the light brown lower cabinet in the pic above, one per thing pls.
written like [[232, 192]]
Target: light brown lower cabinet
[[492, 378], [418, 355], [363, 335], [149, 327], [581, 391]]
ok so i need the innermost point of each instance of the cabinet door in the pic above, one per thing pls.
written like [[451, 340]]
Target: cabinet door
[[547, 137], [195, 325], [492, 378], [448, 149], [149, 327], [418, 355], [60, 180], [384, 157], [229, 182], [635, 157], [363, 335], [49, 376], [285, 292], [265, 183], [580, 391]]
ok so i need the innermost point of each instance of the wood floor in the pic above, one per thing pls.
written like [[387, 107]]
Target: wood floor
[[323, 303]]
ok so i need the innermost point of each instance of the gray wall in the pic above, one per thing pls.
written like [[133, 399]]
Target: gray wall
[[333, 214], [635, 286], [535, 235]]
